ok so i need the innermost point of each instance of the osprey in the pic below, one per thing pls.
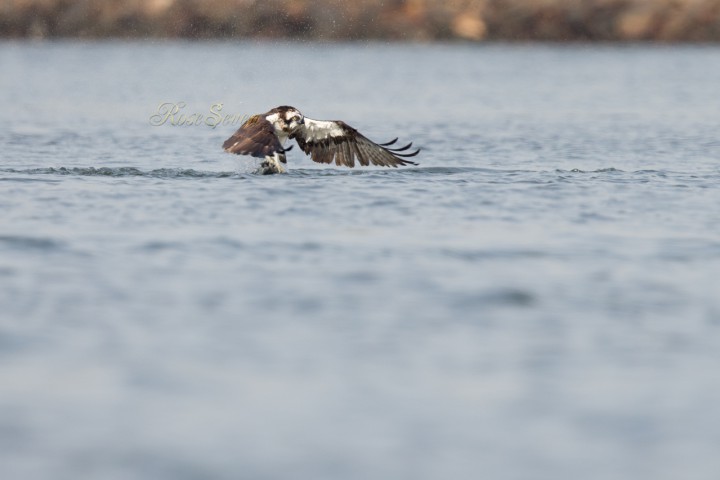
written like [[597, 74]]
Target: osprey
[[264, 136]]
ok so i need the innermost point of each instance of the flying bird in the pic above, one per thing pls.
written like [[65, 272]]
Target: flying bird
[[264, 136]]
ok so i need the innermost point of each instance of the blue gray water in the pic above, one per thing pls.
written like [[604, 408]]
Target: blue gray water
[[538, 299]]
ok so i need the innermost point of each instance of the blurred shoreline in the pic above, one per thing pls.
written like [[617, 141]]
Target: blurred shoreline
[[402, 20]]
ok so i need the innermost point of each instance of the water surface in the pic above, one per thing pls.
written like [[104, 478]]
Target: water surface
[[538, 299]]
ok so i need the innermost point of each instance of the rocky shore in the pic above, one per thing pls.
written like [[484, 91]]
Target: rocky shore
[[417, 20]]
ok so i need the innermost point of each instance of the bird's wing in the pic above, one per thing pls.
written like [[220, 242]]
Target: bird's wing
[[255, 137], [328, 141]]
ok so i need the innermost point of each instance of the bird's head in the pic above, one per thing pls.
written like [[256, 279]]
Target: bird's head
[[287, 119], [293, 119]]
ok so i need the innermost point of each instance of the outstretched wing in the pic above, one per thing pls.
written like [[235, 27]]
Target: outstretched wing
[[255, 137], [328, 141]]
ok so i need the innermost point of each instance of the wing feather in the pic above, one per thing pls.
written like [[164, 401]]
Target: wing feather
[[349, 159], [256, 137], [328, 141], [361, 158]]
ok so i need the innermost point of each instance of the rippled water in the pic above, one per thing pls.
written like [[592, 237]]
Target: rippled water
[[538, 299]]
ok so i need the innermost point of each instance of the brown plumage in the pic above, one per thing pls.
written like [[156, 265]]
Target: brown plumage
[[255, 137]]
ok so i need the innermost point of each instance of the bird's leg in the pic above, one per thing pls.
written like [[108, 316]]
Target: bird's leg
[[272, 164]]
